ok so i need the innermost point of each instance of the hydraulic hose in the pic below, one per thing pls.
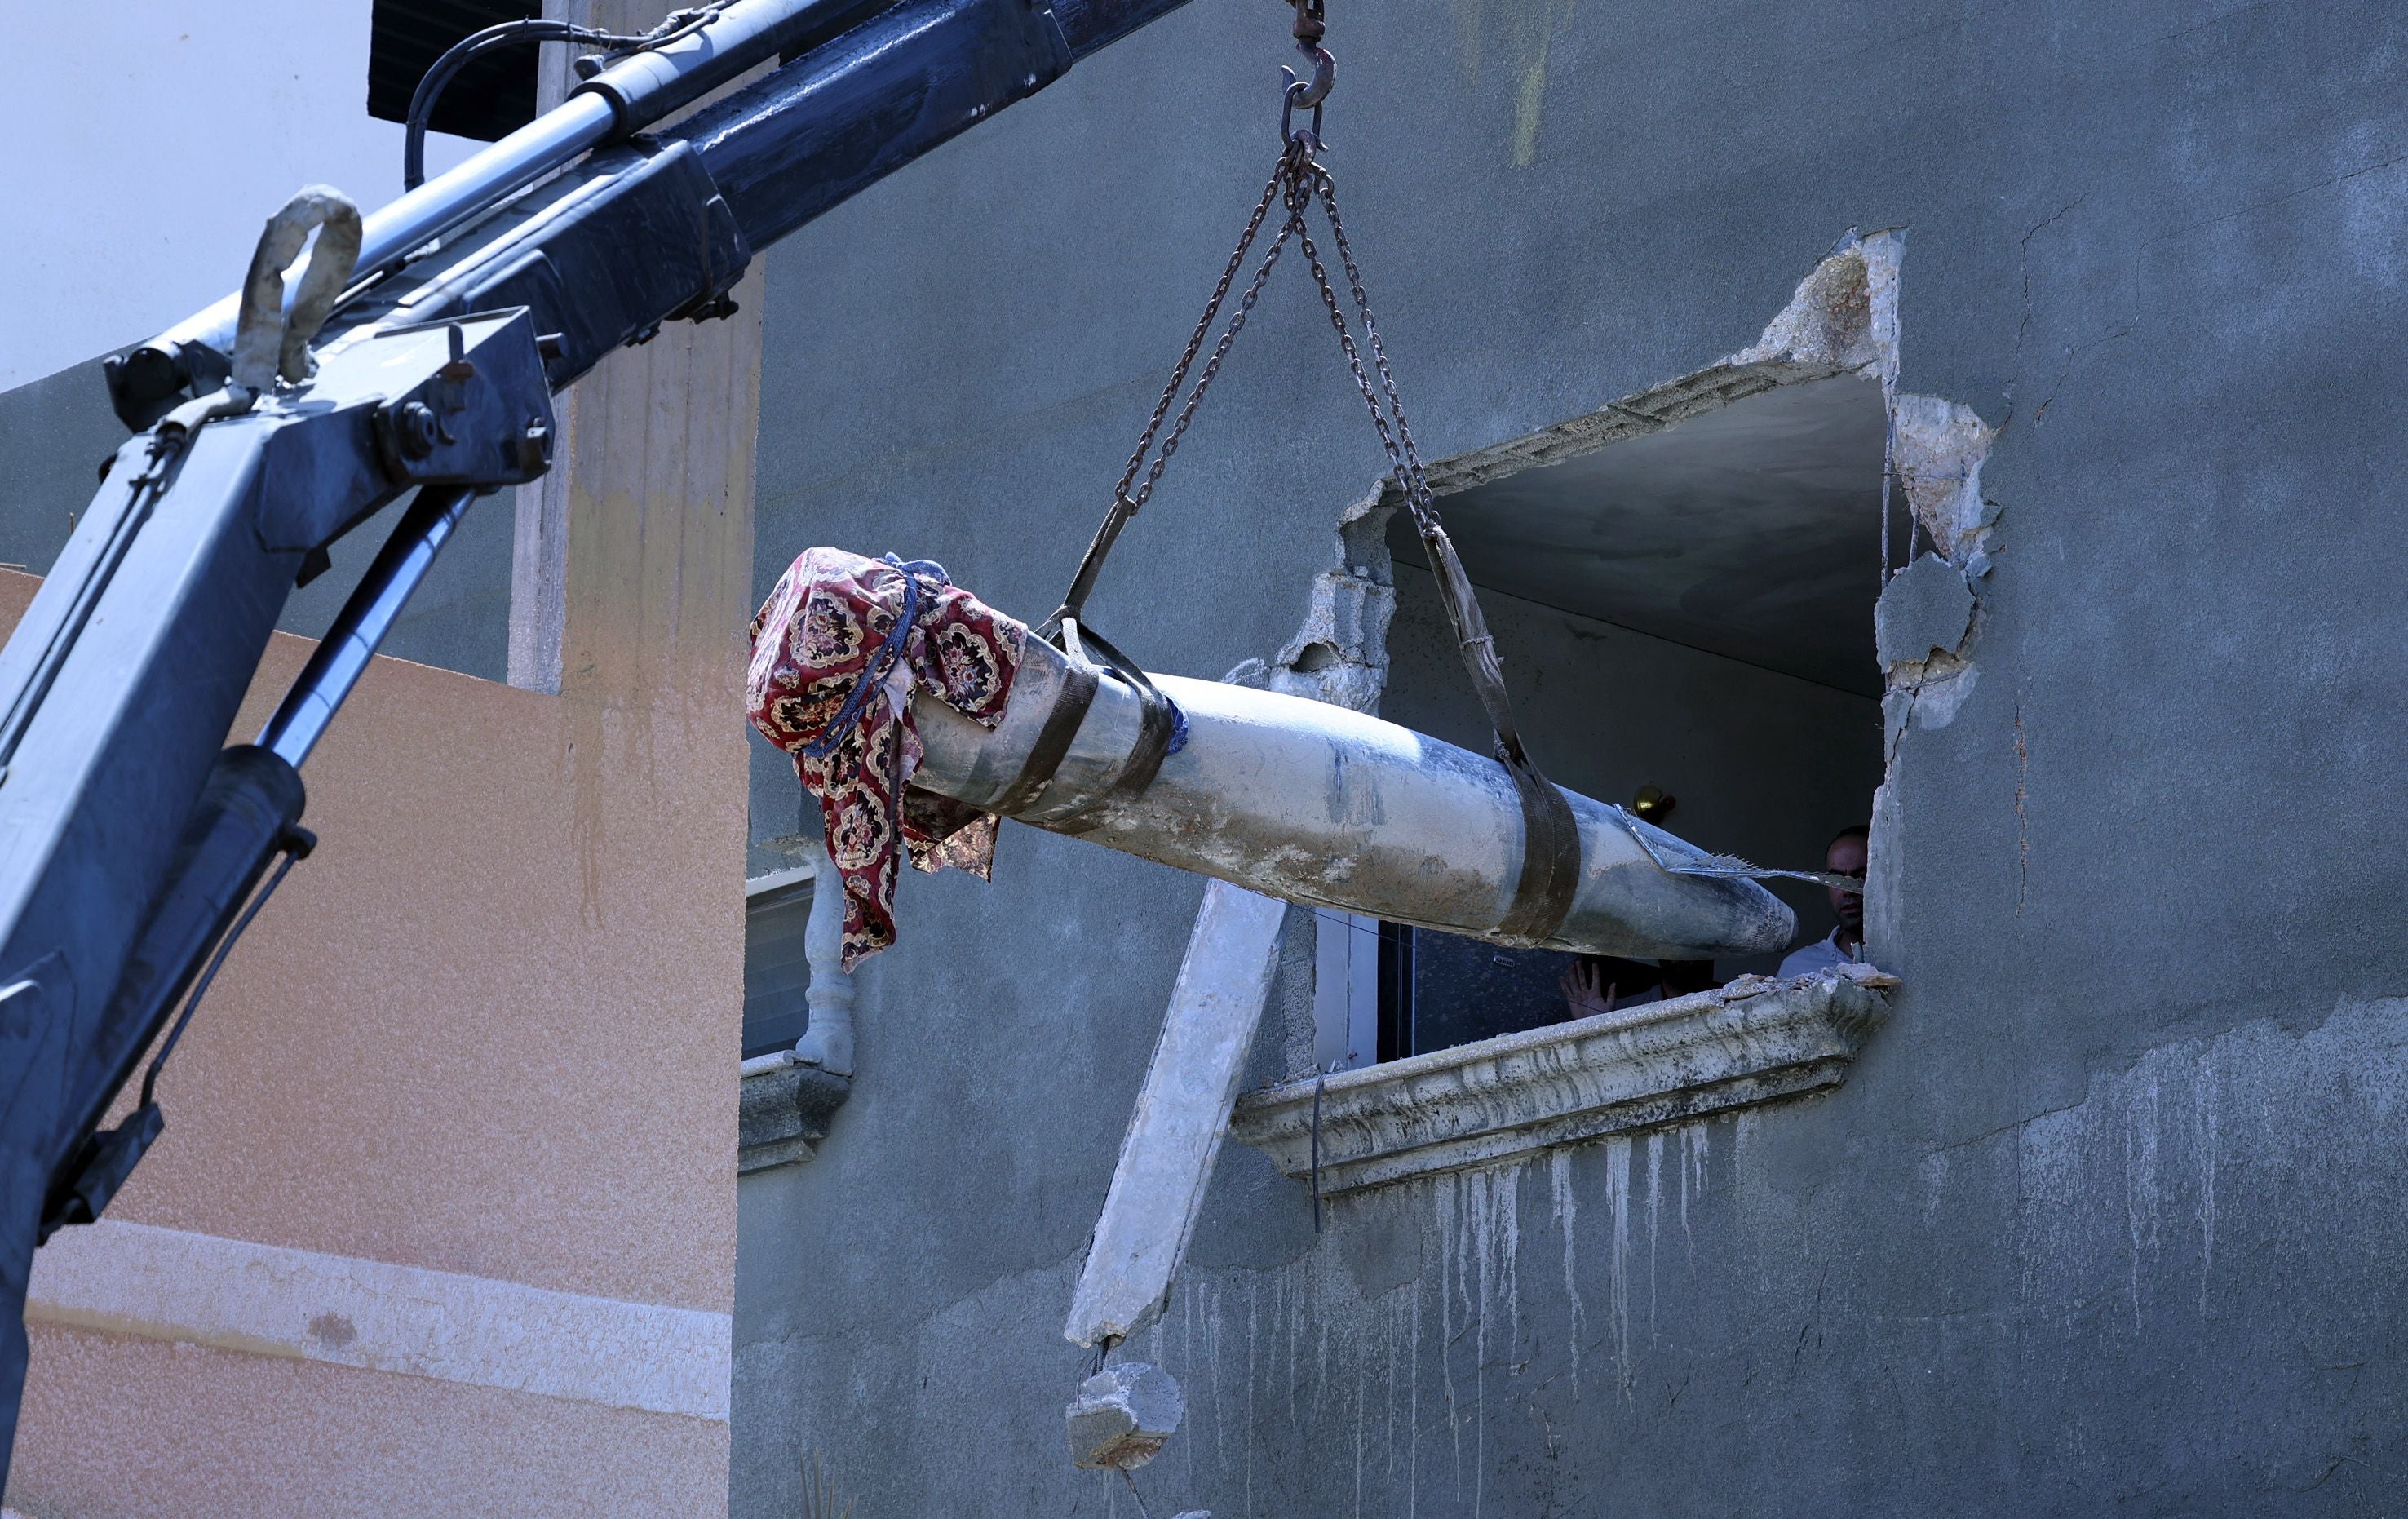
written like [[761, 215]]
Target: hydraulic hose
[[440, 74]]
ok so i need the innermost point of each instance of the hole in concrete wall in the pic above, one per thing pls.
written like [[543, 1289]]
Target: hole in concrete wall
[[1749, 532], [1686, 584], [1687, 623], [1315, 657]]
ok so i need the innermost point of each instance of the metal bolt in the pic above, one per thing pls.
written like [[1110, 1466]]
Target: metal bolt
[[414, 430]]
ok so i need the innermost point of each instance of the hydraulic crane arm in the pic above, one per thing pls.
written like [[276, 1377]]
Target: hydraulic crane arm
[[129, 835]]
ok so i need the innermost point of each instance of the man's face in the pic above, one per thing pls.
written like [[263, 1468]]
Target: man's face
[[1847, 858]]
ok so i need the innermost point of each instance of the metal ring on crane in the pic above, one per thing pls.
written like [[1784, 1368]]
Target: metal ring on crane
[[267, 342]]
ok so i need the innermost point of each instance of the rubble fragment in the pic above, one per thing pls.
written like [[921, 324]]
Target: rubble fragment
[[1122, 1416]]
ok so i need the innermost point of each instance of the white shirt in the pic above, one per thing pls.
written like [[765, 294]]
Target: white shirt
[[1820, 955]]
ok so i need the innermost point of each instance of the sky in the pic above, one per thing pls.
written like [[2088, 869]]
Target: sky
[[150, 139]]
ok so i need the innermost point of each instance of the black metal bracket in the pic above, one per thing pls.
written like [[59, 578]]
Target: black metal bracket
[[462, 401]]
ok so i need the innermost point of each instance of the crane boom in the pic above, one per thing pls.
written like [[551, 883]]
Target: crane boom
[[130, 836]]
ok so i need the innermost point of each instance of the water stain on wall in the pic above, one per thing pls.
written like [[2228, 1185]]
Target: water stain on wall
[[659, 465], [1524, 29]]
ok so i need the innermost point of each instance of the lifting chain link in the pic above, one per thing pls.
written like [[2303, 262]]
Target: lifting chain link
[[1551, 865], [1290, 186]]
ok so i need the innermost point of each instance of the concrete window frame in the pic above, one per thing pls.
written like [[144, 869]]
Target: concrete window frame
[[1498, 1099], [786, 1098]]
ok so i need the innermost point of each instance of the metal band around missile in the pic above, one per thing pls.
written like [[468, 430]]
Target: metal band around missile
[[1551, 848], [1551, 859], [1079, 682], [1156, 725], [1082, 677]]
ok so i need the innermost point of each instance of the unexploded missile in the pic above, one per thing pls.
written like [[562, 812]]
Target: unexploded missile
[[1315, 804]]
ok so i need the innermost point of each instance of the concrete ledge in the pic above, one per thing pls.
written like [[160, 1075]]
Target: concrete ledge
[[1752, 1041], [782, 1110]]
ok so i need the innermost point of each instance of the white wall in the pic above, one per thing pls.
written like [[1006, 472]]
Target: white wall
[[149, 140]]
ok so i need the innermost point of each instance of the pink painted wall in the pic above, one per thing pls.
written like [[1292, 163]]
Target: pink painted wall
[[490, 1028]]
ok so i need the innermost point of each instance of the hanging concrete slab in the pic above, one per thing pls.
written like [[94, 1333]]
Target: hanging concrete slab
[[1181, 1113]]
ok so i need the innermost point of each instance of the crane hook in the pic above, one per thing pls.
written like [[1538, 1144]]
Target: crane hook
[[1300, 93]]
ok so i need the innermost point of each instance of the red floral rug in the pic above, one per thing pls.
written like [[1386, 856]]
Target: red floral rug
[[838, 651]]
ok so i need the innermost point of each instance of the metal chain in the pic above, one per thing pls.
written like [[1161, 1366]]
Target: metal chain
[[1550, 873], [1212, 368], [1403, 458], [1297, 182], [1196, 345], [1419, 496], [1127, 502]]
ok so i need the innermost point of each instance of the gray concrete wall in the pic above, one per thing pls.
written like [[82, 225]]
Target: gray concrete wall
[[54, 435], [2105, 1220]]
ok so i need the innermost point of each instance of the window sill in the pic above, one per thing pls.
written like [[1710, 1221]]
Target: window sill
[[1753, 1042], [782, 1110]]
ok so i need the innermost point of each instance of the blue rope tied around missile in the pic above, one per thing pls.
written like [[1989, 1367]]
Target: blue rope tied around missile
[[890, 649], [881, 663]]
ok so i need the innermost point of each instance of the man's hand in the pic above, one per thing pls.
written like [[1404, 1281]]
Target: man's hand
[[1585, 989]]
